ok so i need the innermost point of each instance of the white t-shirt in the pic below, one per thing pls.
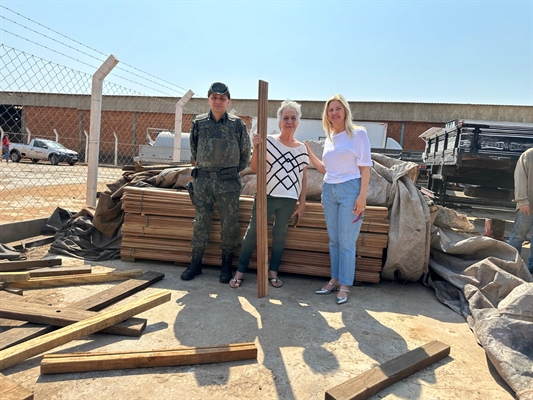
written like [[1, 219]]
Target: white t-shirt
[[343, 156], [285, 167]]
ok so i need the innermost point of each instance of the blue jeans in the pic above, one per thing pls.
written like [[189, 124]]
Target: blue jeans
[[339, 201], [282, 208], [521, 227]]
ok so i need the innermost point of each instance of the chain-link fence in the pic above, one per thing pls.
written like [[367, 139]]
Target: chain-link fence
[[45, 114]]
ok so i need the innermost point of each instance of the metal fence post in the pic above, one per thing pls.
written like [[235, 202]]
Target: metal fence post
[[177, 124], [57, 135], [94, 127], [116, 147], [86, 146]]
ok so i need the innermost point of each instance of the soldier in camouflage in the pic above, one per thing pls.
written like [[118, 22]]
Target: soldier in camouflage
[[221, 148]]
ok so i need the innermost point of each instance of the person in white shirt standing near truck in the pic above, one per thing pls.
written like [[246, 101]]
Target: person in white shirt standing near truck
[[523, 195]]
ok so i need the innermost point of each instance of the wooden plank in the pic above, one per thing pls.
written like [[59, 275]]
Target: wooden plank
[[41, 314], [33, 347], [261, 196], [370, 382], [10, 390], [84, 362], [105, 298], [156, 204], [299, 238], [46, 282], [14, 276], [34, 241], [28, 264], [164, 229], [22, 333], [96, 302], [42, 272], [176, 251]]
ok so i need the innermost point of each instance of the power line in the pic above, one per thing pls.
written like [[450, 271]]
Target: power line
[[90, 48], [64, 55]]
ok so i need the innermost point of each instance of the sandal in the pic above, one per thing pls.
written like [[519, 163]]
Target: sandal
[[328, 291], [342, 300], [235, 283], [276, 282]]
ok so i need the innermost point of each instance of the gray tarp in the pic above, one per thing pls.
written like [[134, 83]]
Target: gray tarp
[[487, 282]]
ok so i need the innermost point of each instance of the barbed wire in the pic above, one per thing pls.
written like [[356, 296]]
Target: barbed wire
[[179, 88]]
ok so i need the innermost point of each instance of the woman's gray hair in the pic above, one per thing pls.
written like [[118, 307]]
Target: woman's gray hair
[[290, 104]]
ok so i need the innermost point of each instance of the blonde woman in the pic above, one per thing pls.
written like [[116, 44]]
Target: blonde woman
[[346, 163]]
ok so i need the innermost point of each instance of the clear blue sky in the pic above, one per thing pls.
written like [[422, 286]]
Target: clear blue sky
[[478, 52]]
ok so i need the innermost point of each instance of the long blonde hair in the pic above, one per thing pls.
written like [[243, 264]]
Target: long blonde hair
[[349, 126]]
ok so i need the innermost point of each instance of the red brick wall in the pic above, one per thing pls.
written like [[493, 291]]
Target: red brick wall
[[412, 131], [42, 120]]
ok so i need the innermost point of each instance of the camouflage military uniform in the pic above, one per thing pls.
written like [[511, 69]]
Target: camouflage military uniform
[[218, 146]]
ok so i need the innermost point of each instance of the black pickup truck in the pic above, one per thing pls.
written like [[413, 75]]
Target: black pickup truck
[[481, 155]]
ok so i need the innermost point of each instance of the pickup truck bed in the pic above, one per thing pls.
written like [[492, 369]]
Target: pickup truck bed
[[472, 152]]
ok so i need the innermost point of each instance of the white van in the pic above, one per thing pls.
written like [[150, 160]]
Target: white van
[[161, 150]]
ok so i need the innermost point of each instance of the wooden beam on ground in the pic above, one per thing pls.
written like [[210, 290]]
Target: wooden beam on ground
[[25, 264], [33, 347], [84, 362], [10, 390], [96, 302], [42, 272], [97, 277], [14, 276], [34, 241], [41, 314], [370, 382], [104, 299], [261, 197]]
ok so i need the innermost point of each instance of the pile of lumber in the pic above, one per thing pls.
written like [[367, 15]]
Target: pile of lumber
[[48, 327], [158, 226]]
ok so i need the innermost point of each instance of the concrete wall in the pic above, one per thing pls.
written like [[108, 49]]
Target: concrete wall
[[14, 231]]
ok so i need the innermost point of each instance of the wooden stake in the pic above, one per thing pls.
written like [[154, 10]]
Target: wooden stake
[[261, 199], [84, 362], [21, 352], [370, 382]]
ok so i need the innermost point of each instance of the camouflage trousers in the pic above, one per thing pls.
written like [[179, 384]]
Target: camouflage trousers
[[225, 193]]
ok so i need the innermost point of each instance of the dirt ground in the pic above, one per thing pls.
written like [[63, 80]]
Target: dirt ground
[[306, 343]]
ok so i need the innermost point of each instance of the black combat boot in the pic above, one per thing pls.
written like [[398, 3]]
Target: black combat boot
[[196, 265], [227, 260]]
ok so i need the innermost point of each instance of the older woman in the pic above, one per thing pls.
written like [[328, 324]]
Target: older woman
[[287, 161], [346, 163]]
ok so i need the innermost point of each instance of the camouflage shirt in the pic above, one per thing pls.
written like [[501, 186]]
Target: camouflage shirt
[[219, 144]]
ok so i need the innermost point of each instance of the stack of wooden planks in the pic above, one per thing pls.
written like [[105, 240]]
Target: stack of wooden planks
[[158, 226]]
